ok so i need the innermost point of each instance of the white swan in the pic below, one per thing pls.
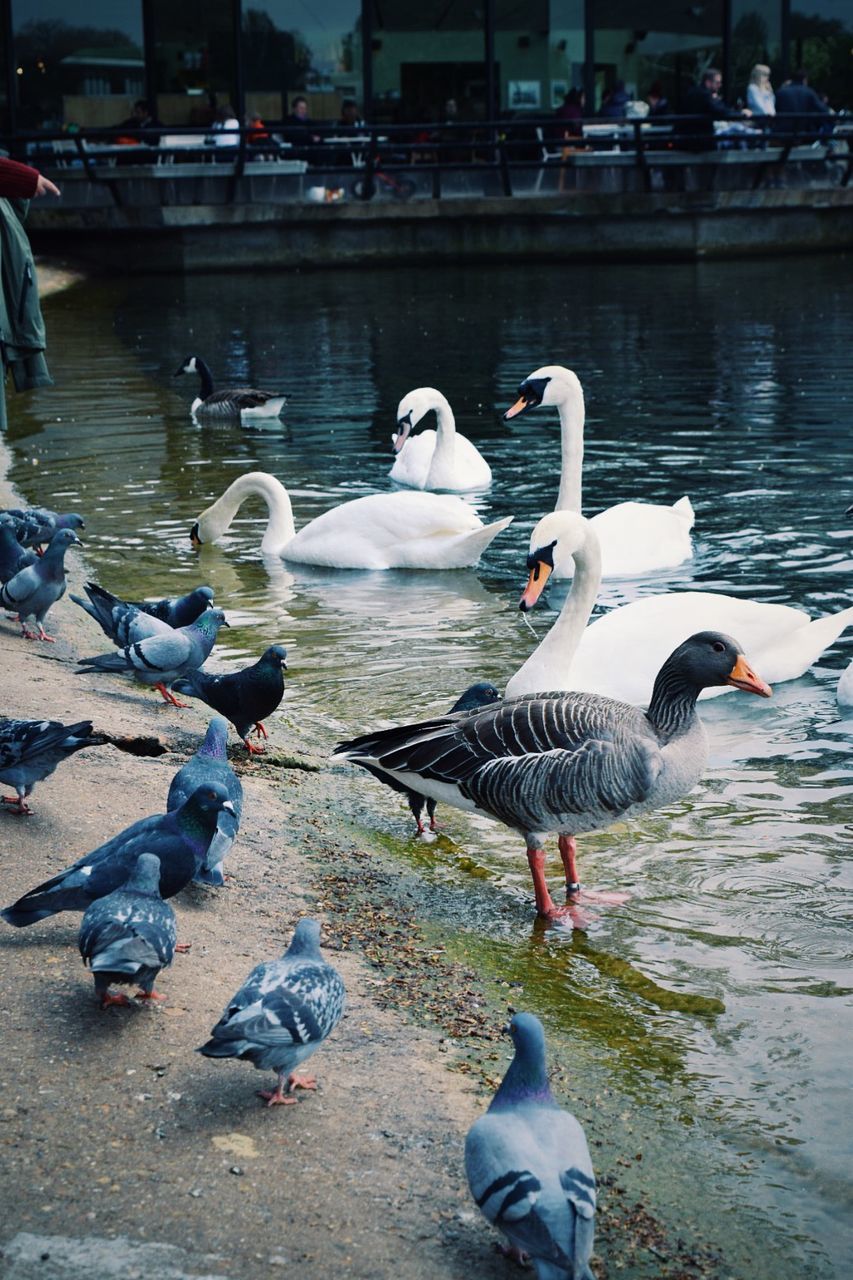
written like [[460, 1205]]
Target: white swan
[[381, 531], [635, 537], [620, 653], [440, 459], [844, 692]]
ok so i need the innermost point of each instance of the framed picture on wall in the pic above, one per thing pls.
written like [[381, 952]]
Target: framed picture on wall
[[523, 94], [559, 89]]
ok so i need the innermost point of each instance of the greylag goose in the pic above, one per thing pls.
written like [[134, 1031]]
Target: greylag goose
[[234, 402], [566, 763]]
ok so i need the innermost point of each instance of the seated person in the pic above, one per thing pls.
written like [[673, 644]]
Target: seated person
[[139, 118], [614, 102], [703, 102], [797, 110], [657, 100], [300, 130], [350, 121], [568, 117], [226, 127]]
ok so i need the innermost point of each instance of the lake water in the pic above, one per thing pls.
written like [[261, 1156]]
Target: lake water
[[719, 997]]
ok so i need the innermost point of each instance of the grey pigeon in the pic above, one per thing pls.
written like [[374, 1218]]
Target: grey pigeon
[[179, 839], [477, 695], [121, 622], [40, 523], [178, 611], [210, 764], [35, 589], [130, 934], [246, 697], [282, 1013], [529, 1169], [13, 556], [159, 660], [30, 750]]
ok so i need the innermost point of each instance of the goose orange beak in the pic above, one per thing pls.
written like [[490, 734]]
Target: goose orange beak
[[520, 405], [742, 676], [539, 575]]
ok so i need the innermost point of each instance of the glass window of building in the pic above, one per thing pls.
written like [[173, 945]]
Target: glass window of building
[[428, 60], [77, 65], [822, 45], [194, 60], [652, 53], [312, 50], [539, 54]]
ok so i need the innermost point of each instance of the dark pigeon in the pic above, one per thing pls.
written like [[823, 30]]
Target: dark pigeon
[[179, 611], [245, 697], [129, 935], [282, 1013], [159, 660], [529, 1169], [30, 750], [13, 556], [478, 695], [35, 589], [210, 764], [179, 839]]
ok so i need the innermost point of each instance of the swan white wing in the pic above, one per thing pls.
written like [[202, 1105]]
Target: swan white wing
[[412, 464], [639, 537], [395, 530], [620, 654], [467, 469]]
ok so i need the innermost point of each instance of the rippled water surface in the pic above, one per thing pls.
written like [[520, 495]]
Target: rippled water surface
[[720, 995]]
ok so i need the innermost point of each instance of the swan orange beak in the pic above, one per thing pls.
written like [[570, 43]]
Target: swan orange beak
[[742, 676], [519, 407], [539, 575]]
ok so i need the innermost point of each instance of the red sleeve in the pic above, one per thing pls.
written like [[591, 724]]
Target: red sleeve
[[17, 181]]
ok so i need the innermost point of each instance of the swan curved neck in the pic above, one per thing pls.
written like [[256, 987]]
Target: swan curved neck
[[445, 429], [572, 415], [558, 648], [280, 527]]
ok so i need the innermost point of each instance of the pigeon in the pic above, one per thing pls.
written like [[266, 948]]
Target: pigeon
[[179, 839], [13, 556], [40, 523], [529, 1169], [30, 750], [283, 1012], [478, 695], [129, 935], [178, 611], [33, 590], [120, 621], [159, 660], [246, 696], [210, 764]]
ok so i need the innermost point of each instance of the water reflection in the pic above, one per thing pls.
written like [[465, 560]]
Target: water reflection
[[727, 974]]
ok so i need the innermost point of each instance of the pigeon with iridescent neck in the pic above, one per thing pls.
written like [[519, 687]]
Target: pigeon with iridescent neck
[[282, 1013], [529, 1168], [34, 590], [179, 839], [210, 764], [161, 659], [129, 935]]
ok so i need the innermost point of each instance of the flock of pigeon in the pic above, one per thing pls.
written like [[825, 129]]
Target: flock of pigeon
[[563, 762], [527, 1161]]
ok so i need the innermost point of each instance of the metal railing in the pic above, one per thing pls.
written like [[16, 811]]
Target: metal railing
[[400, 159]]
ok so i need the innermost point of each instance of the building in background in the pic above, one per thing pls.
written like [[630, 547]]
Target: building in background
[[85, 64]]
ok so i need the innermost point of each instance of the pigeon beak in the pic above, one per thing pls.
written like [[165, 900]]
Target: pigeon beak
[[539, 575], [194, 538], [229, 806], [225, 623], [742, 676]]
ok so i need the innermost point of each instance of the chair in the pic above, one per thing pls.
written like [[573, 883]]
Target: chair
[[547, 155]]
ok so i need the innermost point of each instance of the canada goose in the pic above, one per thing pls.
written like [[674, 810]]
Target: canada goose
[[234, 402]]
